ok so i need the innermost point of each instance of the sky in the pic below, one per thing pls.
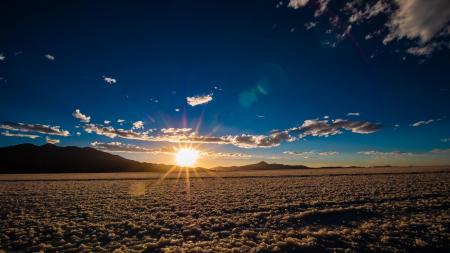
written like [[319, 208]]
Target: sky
[[320, 83]]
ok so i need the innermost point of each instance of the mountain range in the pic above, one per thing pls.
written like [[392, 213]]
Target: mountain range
[[49, 158]]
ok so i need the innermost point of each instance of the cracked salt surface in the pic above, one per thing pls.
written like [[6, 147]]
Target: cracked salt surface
[[351, 213]]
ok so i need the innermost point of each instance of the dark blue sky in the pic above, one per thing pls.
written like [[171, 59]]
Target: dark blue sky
[[260, 64]]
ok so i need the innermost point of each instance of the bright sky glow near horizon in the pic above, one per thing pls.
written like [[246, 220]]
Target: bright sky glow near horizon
[[320, 83]]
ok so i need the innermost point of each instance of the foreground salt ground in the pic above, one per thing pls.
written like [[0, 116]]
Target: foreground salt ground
[[351, 213]]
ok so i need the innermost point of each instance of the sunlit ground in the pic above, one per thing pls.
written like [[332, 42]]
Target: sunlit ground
[[373, 212]]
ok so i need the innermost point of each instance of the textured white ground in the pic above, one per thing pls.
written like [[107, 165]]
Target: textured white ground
[[352, 213]]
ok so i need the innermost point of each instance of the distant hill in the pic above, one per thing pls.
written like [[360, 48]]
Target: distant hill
[[48, 158], [260, 166]]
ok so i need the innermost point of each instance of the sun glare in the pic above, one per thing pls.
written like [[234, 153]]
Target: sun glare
[[186, 157]]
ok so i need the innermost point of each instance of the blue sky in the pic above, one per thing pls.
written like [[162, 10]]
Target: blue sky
[[297, 67]]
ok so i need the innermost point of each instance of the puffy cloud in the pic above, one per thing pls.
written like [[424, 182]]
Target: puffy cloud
[[38, 128], [415, 19], [274, 138], [423, 122], [2, 57], [138, 125], [109, 80], [9, 134], [198, 100], [120, 121], [106, 122], [51, 141], [295, 4], [172, 130], [259, 141], [111, 132], [353, 114], [49, 57], [82, 117]]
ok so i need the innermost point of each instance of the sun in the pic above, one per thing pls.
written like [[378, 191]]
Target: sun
[[186, 157]]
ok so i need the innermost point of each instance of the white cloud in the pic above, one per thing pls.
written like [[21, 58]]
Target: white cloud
[[311, 154], [138, 125], [31, 136], [49, 57], [106, 122], [381, 153], [295, 4], [51, 141], [2, 57], [353, 114], [120, 121], [38, 128], [416, 19], [78, 133], [109, 80], [319, 128], [423, 122], [172, 130], [198, 100], [82, 117], [445, 139]]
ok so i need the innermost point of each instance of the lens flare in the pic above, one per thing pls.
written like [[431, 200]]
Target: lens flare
[[186, 157]]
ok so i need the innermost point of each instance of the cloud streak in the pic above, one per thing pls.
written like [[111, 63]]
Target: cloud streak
[[37, 128], [130, 148], [9, 134]]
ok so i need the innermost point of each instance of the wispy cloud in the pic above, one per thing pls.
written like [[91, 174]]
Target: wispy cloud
[[130, 148], [37, 128], [423, 122], [199, 100], [49, 57], [353, 114], [80, 116], [311, 154], [441, 151], [9, 134], [382, 153], [2, 57], [109, 80], [445, 139], [51, 141]]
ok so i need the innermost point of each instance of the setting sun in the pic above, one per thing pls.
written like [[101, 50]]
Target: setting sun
[[186, 157]]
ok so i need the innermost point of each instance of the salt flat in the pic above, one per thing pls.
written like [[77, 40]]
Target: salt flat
[[388, 209]]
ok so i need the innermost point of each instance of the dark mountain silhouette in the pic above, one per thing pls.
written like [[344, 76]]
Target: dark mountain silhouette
[[48, 158], [261, 166]]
